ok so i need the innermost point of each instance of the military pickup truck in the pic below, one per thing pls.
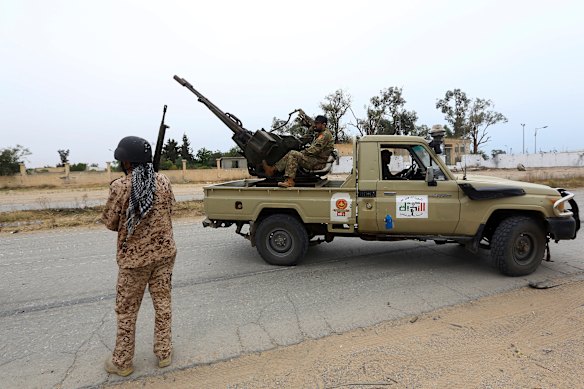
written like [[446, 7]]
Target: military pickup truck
[[413, 196]]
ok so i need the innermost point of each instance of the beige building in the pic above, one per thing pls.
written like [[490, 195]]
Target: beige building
[[232, 163], [454, 149]]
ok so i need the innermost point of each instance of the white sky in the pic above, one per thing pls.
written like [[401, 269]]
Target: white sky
[[81, 75]]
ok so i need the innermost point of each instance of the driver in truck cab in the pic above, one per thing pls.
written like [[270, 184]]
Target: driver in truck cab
[[385, 161], [311, 158]]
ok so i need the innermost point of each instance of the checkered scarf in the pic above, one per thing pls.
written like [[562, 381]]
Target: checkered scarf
[[141, 195]]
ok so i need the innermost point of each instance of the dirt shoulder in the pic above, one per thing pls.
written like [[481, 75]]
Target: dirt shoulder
[[528, 338]]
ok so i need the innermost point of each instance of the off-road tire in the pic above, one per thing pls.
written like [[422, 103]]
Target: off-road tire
[[518, 245], [281, 240]]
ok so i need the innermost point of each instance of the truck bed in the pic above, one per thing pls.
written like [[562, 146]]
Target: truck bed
[[243, 200]]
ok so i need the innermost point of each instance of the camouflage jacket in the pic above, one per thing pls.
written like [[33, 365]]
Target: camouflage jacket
[[322, 146], [152, 240]]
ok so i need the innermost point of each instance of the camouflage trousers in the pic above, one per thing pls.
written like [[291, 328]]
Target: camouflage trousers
[[290, 162], [130, 290]]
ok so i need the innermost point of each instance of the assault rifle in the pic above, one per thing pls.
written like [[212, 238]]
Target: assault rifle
[[160, 141]]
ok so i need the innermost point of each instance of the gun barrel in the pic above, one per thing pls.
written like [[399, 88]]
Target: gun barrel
[[229, 120]]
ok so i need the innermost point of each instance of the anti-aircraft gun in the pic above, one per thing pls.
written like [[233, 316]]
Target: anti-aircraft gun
[[258, 146]]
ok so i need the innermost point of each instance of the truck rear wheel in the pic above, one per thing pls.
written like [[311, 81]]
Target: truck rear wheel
[[518, 246], [281, 240]]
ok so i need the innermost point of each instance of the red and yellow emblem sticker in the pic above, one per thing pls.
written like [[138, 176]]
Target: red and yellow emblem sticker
[[341, 204]]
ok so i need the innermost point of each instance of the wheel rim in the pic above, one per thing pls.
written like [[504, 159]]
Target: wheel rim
[[280, 242], [523, 249]]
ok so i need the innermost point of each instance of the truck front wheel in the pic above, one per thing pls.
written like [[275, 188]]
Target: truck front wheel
[[518, 246], [281, 240]]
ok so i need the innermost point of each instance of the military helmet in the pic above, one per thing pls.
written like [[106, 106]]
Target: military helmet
[[134, 149], [321, 119]]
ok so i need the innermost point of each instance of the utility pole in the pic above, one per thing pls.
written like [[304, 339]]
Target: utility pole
[[523, 125], [535, 138]]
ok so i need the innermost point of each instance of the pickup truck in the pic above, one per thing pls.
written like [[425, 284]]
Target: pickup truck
[[421, 199]]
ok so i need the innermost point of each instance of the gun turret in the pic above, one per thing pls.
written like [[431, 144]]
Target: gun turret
[[258, 146]]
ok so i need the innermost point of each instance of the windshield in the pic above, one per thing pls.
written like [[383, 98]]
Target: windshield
[[424, 157]]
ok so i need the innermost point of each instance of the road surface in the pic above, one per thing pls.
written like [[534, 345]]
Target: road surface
[[57, 295]]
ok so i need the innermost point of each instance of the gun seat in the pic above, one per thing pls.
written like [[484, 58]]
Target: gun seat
[[327, 168]]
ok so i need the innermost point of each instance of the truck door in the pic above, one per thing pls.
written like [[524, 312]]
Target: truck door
[[406, 204]]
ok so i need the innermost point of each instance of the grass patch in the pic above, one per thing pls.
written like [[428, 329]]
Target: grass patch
[[51, 186], [77, 217], [558, 182]]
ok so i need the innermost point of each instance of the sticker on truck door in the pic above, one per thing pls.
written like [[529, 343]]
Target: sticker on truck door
[[341, 207], [411, 207]]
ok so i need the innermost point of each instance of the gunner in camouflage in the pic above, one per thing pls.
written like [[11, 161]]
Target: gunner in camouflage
[[139, 208], [311, 158]]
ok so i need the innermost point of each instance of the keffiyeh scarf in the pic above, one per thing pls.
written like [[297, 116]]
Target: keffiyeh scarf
[[141, 195]]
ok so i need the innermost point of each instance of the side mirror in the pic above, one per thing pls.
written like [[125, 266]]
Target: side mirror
[[430, 177]]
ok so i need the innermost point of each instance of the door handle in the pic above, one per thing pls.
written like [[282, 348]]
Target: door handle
[[389, 193]]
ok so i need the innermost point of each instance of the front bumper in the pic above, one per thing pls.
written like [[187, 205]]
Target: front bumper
[[561, 228]]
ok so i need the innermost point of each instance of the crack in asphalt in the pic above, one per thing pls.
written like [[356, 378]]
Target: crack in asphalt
[[303, 335], [86, 341]]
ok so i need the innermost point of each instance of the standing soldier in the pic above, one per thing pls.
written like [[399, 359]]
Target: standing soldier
[[311, 158], [139, 208]]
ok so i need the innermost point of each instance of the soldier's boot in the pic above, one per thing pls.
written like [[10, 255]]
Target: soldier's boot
[[269, 170], [165, 362], [289, 183], [113, 369]]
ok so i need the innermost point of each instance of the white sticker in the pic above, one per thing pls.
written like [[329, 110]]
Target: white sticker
[[341, 207], [412, 206]]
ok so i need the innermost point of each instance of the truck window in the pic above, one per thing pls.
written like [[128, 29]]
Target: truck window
[[406, 162], [428, 162]]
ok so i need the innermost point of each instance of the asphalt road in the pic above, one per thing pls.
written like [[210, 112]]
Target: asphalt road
[[57, 320]]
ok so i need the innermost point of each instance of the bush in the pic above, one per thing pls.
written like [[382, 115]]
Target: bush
[[78, 167]]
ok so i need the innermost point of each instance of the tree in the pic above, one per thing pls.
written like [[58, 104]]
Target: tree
[[421, 130], [480, 119], [11, 158], [64, 156], [185, 149], [454, 106], [295, 128], [233, 152], [469, 118], [204, 156], [170, 152], [386, 114], [496, 152], [335, 107]]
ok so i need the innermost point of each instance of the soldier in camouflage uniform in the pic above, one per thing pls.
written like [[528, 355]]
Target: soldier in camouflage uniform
[[139, 208], [311, 158]]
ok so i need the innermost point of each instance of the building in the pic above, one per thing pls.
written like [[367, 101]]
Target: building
[[454, 149], [232, 163]]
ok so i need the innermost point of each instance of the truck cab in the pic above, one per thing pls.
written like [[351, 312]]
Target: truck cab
[[403, 200]]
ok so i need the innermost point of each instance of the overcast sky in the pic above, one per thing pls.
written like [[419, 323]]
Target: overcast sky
[[80, 75]]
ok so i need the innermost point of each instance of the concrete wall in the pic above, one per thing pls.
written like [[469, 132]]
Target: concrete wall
[[501, 161], [510, 161], [104, 178]]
